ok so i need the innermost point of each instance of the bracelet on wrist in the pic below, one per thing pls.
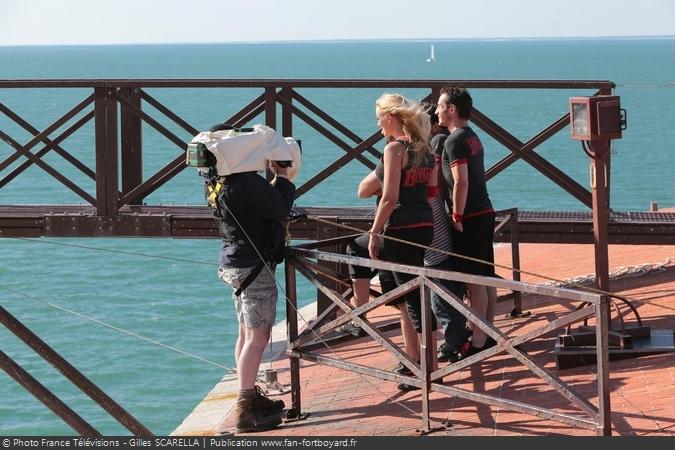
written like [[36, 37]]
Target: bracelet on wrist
[[457, 217]]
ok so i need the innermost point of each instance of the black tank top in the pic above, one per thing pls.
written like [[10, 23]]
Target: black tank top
[[412, 209]]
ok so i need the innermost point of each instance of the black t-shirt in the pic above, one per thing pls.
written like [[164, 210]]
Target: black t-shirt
[[437, 145], [463, 146]]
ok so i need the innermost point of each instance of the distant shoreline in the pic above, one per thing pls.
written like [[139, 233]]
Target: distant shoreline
[[361, 41]]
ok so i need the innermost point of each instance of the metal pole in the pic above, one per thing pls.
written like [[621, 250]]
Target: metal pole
[[515, 260], [292, 335], [270, 115], [600, 191], [286, 113], [131, 142], [100, 140], [426, 358], [111, 164], [602, 354]]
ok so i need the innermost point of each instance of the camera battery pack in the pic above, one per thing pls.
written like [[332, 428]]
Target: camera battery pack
[[197, 155]]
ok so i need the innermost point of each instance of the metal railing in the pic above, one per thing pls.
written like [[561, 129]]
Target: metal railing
[[51, 401], [120, 108], [306, 260]]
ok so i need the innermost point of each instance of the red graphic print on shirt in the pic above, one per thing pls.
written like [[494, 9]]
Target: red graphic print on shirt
[[474, 145], [416, 175]]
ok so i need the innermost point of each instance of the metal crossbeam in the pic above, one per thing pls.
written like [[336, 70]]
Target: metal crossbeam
[[72, 374], [50, 144], [364, 323], [535, 160]]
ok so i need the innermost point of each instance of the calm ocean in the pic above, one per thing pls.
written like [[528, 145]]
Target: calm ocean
[[179, 302]]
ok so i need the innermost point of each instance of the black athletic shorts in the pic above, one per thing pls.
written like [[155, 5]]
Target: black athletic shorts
[[476, 241], [397, 252]]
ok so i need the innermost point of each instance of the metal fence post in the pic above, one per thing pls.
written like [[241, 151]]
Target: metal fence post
[[602, 355], [286, 113], [131, 142], [426, 347], [292, 335], [515, 261], [105, 117]]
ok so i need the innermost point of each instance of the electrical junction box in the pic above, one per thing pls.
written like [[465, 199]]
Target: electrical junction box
[[596, 118]]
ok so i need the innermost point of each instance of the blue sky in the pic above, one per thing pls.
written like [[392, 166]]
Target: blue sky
[[54, 22]]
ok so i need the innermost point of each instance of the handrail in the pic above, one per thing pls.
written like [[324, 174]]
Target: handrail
[[563, 293], [310, 83]]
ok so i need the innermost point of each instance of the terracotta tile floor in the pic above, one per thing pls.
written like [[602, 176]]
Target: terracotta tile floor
[[344, 403]]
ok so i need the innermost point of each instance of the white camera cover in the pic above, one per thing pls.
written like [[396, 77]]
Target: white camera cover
[[252, 151]]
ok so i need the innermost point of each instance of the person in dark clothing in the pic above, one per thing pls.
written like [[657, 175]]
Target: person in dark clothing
[[403, 212], [253, 239], [452, 321], [472, 216]]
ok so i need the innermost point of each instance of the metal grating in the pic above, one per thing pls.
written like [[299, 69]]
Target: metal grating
[[345, 213], [587, 216], [342, 213]]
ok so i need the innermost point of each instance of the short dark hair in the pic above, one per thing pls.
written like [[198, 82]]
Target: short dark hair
[[431, 110], [461, 98], [433, 118], [221, 127]]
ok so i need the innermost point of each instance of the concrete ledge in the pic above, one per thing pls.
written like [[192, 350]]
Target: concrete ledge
[[209, 414]]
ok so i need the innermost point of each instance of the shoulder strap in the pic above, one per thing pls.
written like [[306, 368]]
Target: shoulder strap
[[252, 275], [215, 189]]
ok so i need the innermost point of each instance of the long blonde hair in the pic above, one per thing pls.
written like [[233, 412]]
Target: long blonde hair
[[414, 120]]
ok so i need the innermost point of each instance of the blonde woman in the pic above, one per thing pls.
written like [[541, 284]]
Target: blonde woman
[[400, 181]]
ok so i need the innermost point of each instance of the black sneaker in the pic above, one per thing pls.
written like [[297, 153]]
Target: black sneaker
[[266, 404], [401, 369], [469, 350], [461, 349], [406, 387], [444, 353], [350, 328]]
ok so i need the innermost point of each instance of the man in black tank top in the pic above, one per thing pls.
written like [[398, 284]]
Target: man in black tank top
[[471, 211]]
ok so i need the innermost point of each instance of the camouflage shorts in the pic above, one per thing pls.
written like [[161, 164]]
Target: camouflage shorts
[[257, 305]]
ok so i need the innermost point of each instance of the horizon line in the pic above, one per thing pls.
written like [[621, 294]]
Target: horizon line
[[358, 40]]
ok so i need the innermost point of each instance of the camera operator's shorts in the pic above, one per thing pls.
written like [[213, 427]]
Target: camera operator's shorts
[[257, 305]]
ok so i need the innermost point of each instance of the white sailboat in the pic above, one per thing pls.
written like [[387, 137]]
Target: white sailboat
[[432, 56]]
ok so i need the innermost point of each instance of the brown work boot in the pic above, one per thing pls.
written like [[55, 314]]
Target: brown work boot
[[250, 419], [266, 404]]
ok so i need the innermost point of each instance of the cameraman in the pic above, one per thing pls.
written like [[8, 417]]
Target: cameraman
[[253, 241]]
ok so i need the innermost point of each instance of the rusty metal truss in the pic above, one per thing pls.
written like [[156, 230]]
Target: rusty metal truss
[[117, 108]]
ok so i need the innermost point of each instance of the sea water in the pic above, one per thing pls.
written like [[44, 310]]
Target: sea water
[[146, 319]]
